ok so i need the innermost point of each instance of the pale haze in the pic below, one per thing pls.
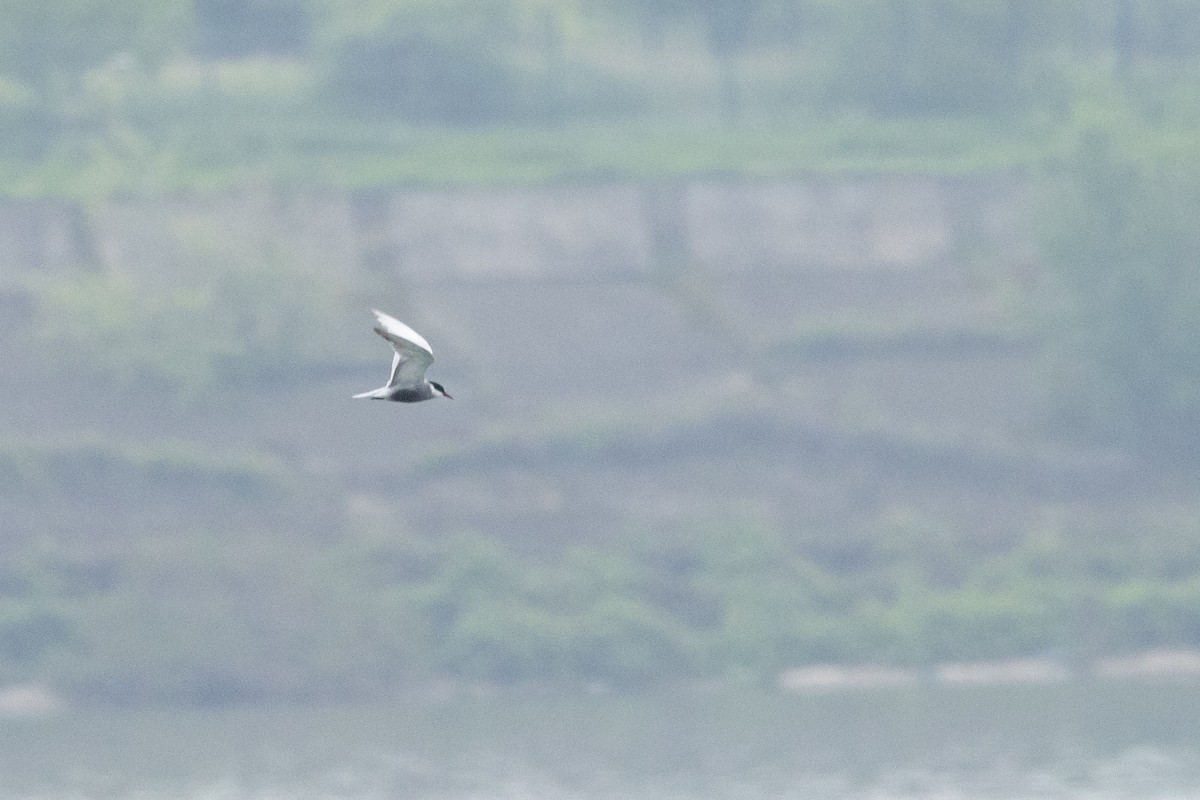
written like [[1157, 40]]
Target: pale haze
[[825, 379]]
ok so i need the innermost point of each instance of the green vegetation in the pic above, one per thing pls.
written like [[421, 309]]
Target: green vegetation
[[1099, 105], [279, 618], [1122, 246], [99, 468], [214, 319], [199, 94]]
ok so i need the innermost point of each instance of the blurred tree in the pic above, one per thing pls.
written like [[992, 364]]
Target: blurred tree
[[943, 56], [251, 27], [1123, 34], [133, 331], [726, 25], [27, 632], [1160, 30], [425, 62], [54, 42], [1121, 239]]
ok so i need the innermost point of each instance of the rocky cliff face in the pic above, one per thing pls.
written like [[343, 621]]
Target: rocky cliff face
[[815, 349], [555, 232]]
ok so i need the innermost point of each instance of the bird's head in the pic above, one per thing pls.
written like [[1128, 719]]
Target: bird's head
[[438, 391]]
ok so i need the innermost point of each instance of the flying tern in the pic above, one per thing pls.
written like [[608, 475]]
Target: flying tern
[[407, 383]]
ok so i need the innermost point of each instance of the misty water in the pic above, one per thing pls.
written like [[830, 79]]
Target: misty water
[[1078, 740]]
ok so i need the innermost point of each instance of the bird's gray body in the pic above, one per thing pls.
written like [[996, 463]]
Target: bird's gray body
[[413, 355], [401, 394]]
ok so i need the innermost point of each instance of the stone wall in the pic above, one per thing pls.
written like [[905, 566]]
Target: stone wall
[[561, 232]]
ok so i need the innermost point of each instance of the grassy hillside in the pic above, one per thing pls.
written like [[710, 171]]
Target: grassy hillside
[[661, 471], [170, 96]]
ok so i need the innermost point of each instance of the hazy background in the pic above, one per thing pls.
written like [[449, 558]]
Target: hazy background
[[781, 334]]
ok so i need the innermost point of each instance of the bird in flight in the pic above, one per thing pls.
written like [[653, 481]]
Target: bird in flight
[[413, 356]]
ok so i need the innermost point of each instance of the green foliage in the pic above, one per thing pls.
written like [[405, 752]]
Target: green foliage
[[1147, 613], [466, 63], [131, 336], [194, 620], [949, 57], [487, 91], [102, 468], [57, 41], [1121, 242], [582, 618], [214, 619], [421, 80], [28, 632], [247, 27], [498, 92], [225, 322]]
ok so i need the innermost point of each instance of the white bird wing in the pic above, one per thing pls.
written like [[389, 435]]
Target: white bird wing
[[413, 354]]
